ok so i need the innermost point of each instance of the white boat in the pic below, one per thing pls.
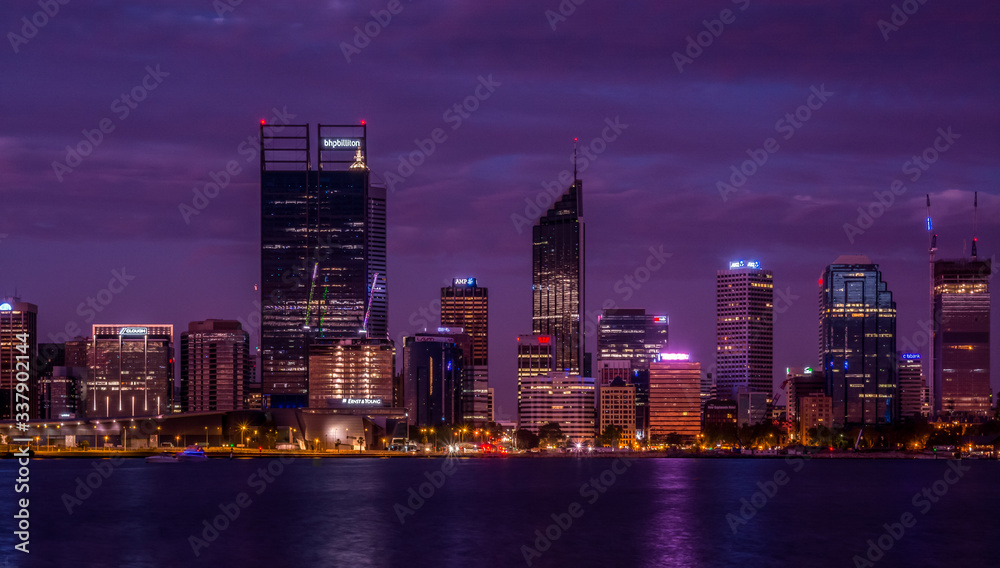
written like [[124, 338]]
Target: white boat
[[164, 457], [192, 454]]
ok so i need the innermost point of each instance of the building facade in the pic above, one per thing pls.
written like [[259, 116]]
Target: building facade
[[815, 410], [674, 397], [433, 370], [352, 373], [744, 329], [912, 386], [962, 338], [18, 356], [215, 366], [616, 407], [131, 371], [857, 341], [465, 305], [801, 382], [559, 397]]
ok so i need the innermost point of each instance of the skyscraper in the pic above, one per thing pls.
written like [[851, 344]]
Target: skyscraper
[[215, 366], [558, 269], [857, 341], [465, 305], [559, 397], [962, 337], [18, 357], [744, 329], [322, 251], [131, 371]]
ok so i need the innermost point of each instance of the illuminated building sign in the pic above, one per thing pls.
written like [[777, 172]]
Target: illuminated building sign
[[132, 331], [341, 143], [911, 356], [755, 264], [451, 330], [5, 307], [463, 282], [361, 401], [675, 356], [659, 319], [544, 339], [808, 370]]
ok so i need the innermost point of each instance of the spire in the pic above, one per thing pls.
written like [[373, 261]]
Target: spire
[[574, 160], [359, 161], [975, 222]]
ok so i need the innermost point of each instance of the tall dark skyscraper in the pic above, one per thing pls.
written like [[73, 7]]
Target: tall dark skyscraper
[[857, 341], [962, 337], [557, 285], [433, 369], [744, 329], [215, 366], [322, 251], [465, 305]]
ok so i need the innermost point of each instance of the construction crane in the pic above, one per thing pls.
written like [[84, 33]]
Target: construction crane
[[368, 311]]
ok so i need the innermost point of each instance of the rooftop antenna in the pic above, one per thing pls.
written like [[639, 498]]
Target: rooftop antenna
[[574, 160], [975, 222]]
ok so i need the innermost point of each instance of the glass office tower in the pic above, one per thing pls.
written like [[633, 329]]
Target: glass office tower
[[558, 278], [18, 358], [322, 251], [857, 341], [744, 329], [962, 337], [465, 307]]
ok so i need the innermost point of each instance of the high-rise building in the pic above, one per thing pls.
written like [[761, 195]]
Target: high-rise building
[[535, 355], [489, 405], [744, 329], [352, 373], [610, 369], [674, 397], [751, 407], [708, 389], [912, 386], [18, 355], [59, 385], [433, 370], [801, 382], [131, 371], [558, 268], [633, 336], [616, 407], [322, 251], [215, 366], [962, 338], [465, 305], [559, 397], [857, 341]]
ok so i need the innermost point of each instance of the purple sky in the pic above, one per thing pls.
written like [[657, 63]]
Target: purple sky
[[654, 186]]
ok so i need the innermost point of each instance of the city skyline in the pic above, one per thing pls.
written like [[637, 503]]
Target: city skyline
[[652, 192]]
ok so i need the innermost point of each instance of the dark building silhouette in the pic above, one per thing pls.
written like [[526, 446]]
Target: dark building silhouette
[[433, 370], [215, 366]]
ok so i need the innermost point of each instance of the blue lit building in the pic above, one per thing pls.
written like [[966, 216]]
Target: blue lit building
[[433, 375], [857, 341]]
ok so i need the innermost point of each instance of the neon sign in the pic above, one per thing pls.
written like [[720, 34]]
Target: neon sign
[[132, 331], [659, 319], [5, 307], [675, 356], [911, 356], [362, 401], [463, 282], [755, 264], [341, 143]]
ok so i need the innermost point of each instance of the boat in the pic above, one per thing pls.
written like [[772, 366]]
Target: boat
[[192, 454], [164, 457]]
